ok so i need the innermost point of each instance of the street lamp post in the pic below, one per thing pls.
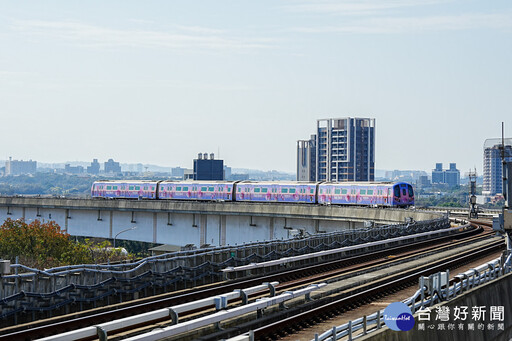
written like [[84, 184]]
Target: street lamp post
[[128, 229]]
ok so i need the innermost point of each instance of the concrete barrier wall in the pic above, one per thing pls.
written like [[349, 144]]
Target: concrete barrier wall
[[496, 293]]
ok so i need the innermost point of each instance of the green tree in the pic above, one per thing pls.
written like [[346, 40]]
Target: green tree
[[45, 245]]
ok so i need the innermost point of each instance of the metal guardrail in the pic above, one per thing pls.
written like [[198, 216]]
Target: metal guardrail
[[289, 260], [220, 303], [34, 291]]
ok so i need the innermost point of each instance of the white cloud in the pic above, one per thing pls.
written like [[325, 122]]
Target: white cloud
[[184, 37], [384, 25], [361, 7]]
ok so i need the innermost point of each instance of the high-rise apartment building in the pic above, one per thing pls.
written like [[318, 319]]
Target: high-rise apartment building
[[493, 167], [438, 174], [94, 168], [450, 177], [343, 149], [306, 159], [112, 167], [18, 167]]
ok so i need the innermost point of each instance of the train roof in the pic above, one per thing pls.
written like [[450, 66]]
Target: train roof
[[361, 183], [221, 182], [285, 183], [127, 181]]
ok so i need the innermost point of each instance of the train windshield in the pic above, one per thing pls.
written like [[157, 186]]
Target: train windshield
[[397, 191], [411, 192]]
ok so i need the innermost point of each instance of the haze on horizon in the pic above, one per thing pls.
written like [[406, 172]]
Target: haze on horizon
[[160, 81]]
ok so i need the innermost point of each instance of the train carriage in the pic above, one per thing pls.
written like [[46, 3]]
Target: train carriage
[[125, 189], [366, 193], [295, 192], [196, 190]]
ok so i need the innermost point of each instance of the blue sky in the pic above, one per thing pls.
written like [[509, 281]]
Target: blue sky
[[159, 81]]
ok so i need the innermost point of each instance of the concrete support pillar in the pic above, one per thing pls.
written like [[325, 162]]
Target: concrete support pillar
[[222, 230], [154, 226], [66, 218], [317, 226], [111, 221], [203, 228], [23, 213], [271, 228]]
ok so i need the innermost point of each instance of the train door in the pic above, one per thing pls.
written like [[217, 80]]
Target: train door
[[396, 195]]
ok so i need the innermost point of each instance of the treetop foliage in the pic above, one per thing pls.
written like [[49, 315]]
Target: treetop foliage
[[45, 245]]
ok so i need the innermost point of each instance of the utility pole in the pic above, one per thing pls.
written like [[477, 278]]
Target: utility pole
[[506, 216], [473, 209]]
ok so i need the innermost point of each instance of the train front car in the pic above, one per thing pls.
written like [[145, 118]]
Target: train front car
[[291, 192], [124, 189], [196, 190], [403, 194], [355, 193]]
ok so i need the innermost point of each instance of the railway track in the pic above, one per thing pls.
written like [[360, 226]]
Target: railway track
[[292, 278]]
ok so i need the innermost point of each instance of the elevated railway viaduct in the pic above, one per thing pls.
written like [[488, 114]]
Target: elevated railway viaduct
[[199, 223]]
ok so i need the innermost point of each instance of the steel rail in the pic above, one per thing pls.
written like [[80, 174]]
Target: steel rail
[[317, 308], [75, 323]]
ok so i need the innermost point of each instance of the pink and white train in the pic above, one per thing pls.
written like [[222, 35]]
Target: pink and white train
[[399, 194]]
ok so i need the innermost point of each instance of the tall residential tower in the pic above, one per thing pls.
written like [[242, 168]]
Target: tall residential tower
[[493, 168], [343, 149]]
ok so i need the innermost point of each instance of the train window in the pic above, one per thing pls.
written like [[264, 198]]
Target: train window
[[411, 192], [185, 189], [404, 192], [203, 189], [115, 188], [292, 190], [362, 192], [211, 189], [152, 188], [264, 190], [284, 190], [229, 189], [130, 188], [178, 189], [397, 191], [337, 191], [137, 188], [256, 190], [109, 188], [343, 191], [370, 192]]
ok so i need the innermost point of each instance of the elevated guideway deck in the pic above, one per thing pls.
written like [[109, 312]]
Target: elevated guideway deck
[[199, 223]]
